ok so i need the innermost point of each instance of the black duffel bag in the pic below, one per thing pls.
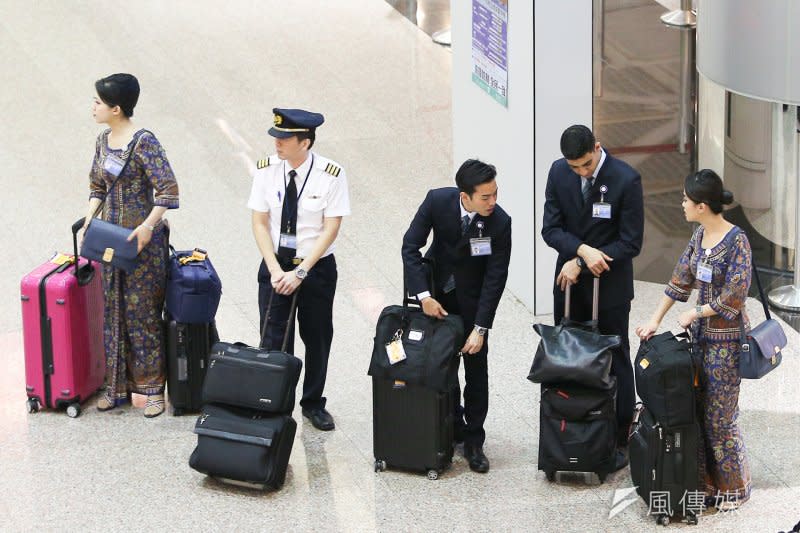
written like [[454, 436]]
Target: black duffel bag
[[666, 378], [430, 345], [574, 352]]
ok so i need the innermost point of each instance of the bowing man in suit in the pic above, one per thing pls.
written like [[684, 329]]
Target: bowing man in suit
[[471, 250], [594, 219]]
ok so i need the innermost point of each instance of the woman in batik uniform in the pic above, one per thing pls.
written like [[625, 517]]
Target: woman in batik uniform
[[717, 261], [133, 331]]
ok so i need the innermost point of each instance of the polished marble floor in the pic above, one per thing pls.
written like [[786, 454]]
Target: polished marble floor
[[209, 81]]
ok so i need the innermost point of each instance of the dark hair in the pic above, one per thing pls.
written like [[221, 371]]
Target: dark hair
[[472, 173], [310, 135], [577, 141], [119, 90], [705, 187]]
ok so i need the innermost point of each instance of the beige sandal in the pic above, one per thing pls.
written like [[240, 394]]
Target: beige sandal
[[106, 404], [154, 405]]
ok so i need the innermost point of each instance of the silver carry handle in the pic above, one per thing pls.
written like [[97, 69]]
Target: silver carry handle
[[595, 299]]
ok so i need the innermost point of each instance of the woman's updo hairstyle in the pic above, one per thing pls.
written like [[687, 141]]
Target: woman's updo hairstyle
[[705, 187], [119, 90]]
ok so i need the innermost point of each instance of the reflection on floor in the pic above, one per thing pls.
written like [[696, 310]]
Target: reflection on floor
[[430, 15]]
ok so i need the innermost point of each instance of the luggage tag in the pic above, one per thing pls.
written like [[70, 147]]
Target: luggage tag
[[113, 165], [394, 348], [602, 209], [705, 271], [480, 245]]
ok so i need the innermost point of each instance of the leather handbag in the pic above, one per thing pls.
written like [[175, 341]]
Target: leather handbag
[[761, 349], [106, 242], [193, 287], [574, 352]]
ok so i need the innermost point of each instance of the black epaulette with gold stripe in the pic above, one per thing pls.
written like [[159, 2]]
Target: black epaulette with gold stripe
[[333, 170], [262, 163]]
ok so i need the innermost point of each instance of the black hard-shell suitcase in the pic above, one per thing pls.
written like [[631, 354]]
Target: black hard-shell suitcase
[[666, 378], [254, 378], [188, 348], [243, 447], [412, 427], [664, 460], [577, 430]]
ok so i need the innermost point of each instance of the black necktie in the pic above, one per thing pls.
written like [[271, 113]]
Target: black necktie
[[587, 188], [289, 214], [464, 224]]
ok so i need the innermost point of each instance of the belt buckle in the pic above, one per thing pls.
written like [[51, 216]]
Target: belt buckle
[[297, 260]]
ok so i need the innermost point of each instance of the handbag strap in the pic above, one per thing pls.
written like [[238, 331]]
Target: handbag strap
[[289, 324], [761, 293], [131, 145]]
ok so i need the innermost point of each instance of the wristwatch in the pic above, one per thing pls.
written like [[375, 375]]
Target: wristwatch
[[698, 309], [480, 330], [300, 273], [579, 262]]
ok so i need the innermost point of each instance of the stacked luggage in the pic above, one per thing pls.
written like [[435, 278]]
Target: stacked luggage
[[193, 293], [665, 434], [577, 415], [245, 430], [414, 372], [62, 322]]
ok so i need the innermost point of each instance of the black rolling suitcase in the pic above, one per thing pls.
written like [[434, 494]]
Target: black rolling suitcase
[[188, 348], [664, 460], [577, 430], [254, 378], [412, 426], [243, 447]]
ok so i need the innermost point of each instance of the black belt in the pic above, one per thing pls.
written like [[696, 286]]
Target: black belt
[[288, 262]]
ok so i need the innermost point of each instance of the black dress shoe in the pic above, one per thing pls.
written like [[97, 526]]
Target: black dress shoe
[[320, 418], [620, 460], [474, 455]]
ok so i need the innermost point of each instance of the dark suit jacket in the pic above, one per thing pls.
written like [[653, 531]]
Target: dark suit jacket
[[479, 280], [568, 223]]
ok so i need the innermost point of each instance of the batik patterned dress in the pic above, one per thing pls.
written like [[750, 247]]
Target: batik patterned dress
[[133, 330], [724, 468]]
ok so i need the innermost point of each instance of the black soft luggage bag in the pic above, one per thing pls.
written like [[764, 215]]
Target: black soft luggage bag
[[412, 426], [666, 376], [664, 460], [577, 429], [254, 378], [188, 348], [243, 447]]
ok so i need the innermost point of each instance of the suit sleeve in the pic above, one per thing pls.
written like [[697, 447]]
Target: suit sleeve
[[414, 239], [553, 232], [631, 228], [494, 280]]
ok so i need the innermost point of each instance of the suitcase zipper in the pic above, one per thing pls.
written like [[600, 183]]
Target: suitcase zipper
[[241, 362]]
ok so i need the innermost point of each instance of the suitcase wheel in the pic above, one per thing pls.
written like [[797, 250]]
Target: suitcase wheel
[[33, 405], [380, 465], [691, 519], [74, 410], [433, 475], [602, 478], [662, 520], [550, 474]]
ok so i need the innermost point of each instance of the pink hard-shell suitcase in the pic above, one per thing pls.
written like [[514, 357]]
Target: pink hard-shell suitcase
[[62, 322]]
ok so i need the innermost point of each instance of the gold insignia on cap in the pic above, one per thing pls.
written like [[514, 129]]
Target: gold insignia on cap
[[262, 163], [333, 170], [277, 120]]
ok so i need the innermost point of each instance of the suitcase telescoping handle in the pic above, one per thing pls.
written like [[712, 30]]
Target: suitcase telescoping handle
[[289, 324], [85, 276], [595, 299]]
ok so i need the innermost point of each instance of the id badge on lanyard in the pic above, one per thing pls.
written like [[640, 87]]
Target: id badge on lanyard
[[705, 271], [480, 245], [288, 240], [602, 209], [113, 165]]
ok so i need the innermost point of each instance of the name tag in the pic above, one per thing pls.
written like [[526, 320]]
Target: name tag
[[601, 210], [113, 165], [705, 272], [395, 351], [288, 241], [480, 246]]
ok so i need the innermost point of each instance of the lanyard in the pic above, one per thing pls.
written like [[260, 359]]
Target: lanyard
[[290, 214]]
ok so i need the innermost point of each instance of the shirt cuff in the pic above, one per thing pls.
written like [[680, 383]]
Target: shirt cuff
[[423, 294]]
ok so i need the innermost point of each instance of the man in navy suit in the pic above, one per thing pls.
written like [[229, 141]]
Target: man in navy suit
[[594, 219], [471, 250]]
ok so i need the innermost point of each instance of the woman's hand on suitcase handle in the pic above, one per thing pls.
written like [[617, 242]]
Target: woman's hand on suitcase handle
[[433, 308], [286, 283], [648, 330], [568, 275], [473, 345]]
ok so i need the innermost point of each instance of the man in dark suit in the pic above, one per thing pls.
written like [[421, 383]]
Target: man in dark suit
[[471, 249], [594, 218]]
